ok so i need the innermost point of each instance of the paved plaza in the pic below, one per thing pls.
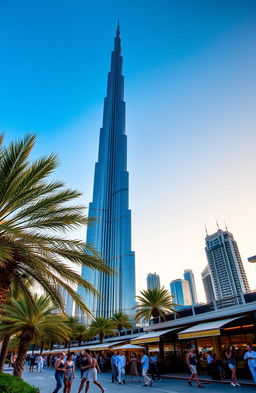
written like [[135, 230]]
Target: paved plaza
[[46, 382]]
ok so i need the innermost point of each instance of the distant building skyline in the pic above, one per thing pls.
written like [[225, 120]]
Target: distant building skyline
[[189, 276], [153, 281], [226, 266], [207, 283], [110, 234], [180, 291]]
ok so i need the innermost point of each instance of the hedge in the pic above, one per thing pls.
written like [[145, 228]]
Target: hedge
[[11, 384]]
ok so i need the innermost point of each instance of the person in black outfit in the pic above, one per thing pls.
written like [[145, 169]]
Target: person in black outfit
[[32, 362]]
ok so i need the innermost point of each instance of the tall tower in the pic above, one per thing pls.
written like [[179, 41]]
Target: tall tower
[[153, 281], [111, 233], [226, 266], [180, 291], [189, 276], [207, 283]]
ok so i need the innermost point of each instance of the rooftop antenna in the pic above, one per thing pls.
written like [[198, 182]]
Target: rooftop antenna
[[118, 28], [206, 230], [226, 226], [217, 223]]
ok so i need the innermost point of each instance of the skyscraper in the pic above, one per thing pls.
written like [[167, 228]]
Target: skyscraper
[[226, 266], [207, 283], [67, 300], [181, 292], [189, 276], [111, 233], [153, 281]]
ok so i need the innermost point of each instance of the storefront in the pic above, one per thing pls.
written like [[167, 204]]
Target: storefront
[[173, 344]]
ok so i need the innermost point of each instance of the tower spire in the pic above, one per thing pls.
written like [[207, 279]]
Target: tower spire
[[118, 28], [217, 223]]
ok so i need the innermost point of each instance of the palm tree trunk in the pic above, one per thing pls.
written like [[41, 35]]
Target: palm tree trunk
[[4, 351], [42, 347], [5, 282], [101, 338], [21, 357]]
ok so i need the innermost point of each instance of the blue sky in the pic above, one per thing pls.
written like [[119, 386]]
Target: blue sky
[[190, 88]]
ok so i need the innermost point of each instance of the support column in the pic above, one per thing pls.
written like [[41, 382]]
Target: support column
[[217, 346]]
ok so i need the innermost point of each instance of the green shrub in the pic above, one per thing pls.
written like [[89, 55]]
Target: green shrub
[[11, 384]]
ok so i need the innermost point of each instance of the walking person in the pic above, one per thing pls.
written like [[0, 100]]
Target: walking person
[[153, 366], [85, 363], [250, 355], [114, 367], [59, 372], [145, 366], [40, 363], [210, 362], [121, 363], [32, 362], [13, 359], [134, 366], [93, 374], [69, 373], [191, 360], [231, 361]]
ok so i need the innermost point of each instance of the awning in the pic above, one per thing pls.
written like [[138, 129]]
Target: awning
[[152, 337], [128, 347], [104, 346], [205, 329]]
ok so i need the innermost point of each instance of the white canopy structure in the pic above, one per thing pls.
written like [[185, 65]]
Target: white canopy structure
[[128, 347]]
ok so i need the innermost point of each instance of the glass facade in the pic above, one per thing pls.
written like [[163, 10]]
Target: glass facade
[[181, 292], [111, 232], [189, 276]]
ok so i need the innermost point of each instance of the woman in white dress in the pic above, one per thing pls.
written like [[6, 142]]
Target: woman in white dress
[[93, 374]]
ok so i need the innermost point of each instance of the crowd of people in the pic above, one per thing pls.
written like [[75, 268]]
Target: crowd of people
[[90, 364], [217, 367]]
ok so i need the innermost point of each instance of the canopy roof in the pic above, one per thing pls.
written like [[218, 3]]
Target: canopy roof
[[206, 329], [128, 347], [151, 337]]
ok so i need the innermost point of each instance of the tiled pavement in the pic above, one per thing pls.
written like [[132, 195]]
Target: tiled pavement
[[46, 382]]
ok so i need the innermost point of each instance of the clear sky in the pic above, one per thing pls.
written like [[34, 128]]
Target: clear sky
[[190, 89]]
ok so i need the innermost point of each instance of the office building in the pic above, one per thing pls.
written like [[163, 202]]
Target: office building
[[180, 291], [207, 283], [67, 300], [226, 266], [153, 281], [111, 233], [189, 276]]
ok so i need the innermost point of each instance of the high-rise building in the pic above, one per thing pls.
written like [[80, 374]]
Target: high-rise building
[[67, 300], [226, 266], [153, 281], [207, 283], [111, 233], [181, 292], [189, 276]]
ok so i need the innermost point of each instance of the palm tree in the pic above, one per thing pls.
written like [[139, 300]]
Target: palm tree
[[101, 326], [154, 303], [78, 331], [15, 293], [31, 323], [81, 333], [121, 321], [35, 213]]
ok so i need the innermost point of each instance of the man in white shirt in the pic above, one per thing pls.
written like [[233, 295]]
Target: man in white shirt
[[121, 362], [250, 355], [145, 366], [40, 363]]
